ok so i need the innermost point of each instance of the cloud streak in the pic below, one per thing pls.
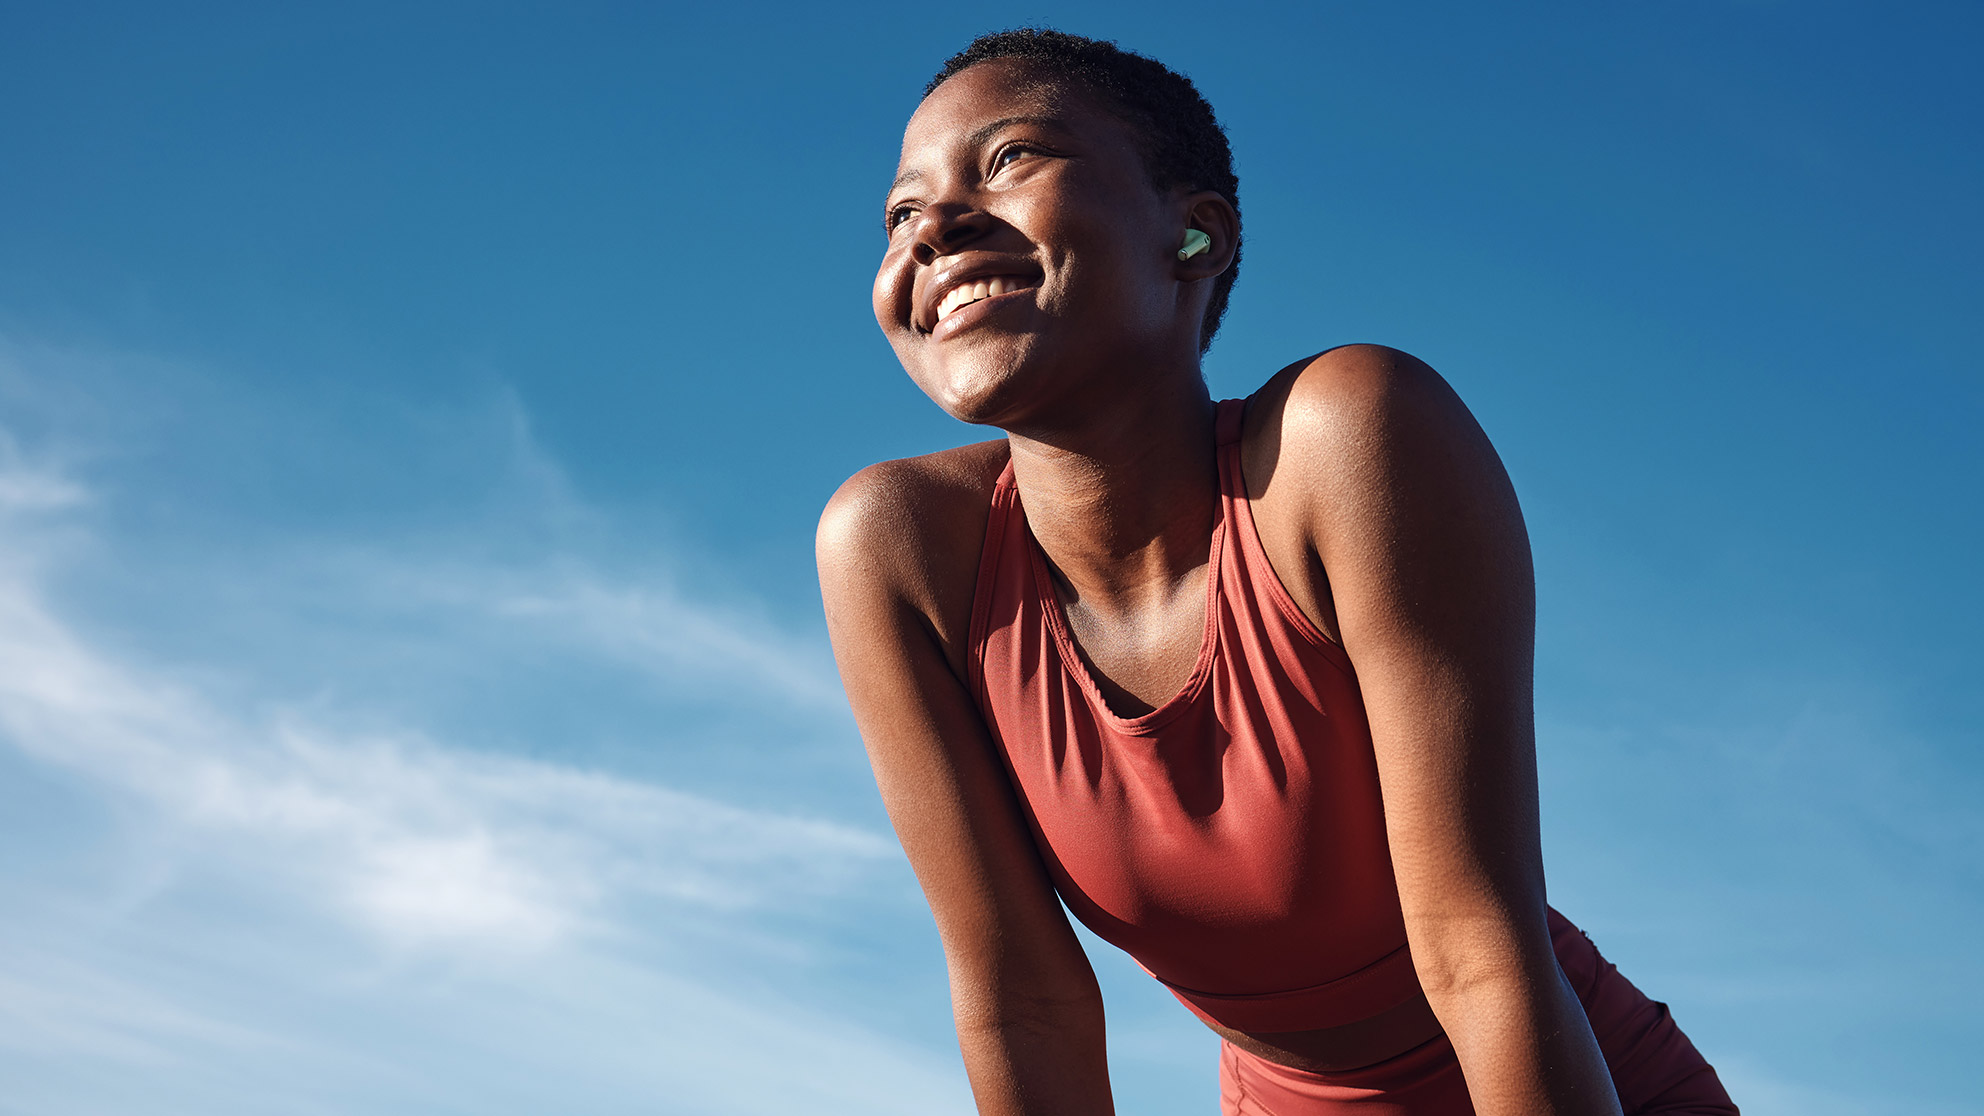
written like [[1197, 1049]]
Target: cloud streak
[[257, 876], [414, 841], [658, 629]]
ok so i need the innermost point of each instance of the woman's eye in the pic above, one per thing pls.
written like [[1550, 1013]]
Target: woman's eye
[[1009, 155], [895, 218]]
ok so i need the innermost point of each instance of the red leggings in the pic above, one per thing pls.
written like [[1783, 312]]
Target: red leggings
[[1654, 1066]]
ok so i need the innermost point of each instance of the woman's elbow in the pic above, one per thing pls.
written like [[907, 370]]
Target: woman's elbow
[[1030, 1006], [1458, 960]]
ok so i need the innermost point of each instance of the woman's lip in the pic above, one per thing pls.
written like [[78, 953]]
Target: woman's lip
[[964, 317]]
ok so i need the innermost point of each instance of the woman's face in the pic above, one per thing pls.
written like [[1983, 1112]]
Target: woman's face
[[1029, 256]]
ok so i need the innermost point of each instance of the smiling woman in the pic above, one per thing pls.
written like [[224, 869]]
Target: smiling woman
[[1246, 685]]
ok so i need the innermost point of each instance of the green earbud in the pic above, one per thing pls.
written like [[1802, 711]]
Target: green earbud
[[1196, 241]]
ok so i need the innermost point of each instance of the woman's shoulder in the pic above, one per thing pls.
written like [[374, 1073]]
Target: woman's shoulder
[[912, 529], [914, 499], [1361, 458], [1321, 418], [1309, 397]]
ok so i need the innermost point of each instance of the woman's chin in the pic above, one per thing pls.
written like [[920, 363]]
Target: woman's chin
[[980, 383], [978, 403]]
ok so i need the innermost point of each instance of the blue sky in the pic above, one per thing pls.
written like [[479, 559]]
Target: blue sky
[[413, 418]]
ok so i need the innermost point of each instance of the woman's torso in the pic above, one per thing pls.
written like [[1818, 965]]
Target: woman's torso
[[1232, 839]]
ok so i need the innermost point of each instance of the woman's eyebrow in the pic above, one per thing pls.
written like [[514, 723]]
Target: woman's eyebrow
[[987, 131], [982, 133]]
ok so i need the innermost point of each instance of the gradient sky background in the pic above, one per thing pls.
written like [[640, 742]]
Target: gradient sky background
[[413, 417]]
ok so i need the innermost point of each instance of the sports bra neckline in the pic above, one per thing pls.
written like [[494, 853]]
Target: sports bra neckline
[[1077, 664], [1226, 423]]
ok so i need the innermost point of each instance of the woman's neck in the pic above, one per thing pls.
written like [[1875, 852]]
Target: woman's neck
[[1123, 502]]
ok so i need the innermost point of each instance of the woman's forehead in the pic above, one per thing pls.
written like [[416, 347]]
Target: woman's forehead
[[1002, 89]]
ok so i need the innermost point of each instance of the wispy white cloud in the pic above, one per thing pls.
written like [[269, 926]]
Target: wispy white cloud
[[341, 905], [658, 628], [24, 490], [653, 623], [50, 1005], [413, 840], [491, 541], [93, 1032]]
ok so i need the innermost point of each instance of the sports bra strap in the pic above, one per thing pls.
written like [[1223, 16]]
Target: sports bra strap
[[1226, 420]]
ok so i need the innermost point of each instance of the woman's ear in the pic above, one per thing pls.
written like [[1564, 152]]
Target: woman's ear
[[1210, 235]]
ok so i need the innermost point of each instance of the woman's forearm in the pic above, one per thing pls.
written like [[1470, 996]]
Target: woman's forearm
[[1039, 1060], [1525, 1046]]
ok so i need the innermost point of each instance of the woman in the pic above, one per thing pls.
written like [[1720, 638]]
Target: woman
[[1247, 684]]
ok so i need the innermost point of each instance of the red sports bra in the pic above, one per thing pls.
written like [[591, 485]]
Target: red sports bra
[[1231, 840]]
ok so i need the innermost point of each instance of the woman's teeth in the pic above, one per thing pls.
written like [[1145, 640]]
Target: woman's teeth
[[967, 293]]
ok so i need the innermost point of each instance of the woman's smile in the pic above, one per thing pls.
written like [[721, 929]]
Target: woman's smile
[[972, 303], [966, 279], [969, 292]]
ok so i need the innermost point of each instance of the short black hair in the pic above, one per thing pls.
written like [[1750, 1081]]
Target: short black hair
[[1182, 142]]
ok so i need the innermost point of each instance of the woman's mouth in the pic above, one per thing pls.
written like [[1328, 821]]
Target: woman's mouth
[[964, 294]]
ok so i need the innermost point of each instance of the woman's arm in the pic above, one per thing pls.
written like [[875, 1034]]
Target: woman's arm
[[1416, 525], [898, 555]]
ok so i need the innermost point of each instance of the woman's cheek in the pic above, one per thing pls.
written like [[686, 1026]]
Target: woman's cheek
[[891, 296]]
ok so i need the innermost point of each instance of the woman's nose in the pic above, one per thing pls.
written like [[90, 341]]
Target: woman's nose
[[943, 229]]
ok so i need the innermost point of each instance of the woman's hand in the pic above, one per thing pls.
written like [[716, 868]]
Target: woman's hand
[[898, 553], [1368, 467]]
